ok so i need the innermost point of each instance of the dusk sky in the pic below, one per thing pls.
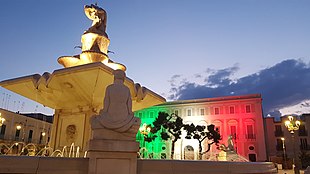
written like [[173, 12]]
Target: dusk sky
[[181, 49]]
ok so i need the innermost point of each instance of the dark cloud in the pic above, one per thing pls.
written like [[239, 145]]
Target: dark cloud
[[284, 84], [220, 77]]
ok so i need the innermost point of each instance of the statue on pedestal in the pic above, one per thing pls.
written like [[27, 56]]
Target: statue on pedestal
[[116, 120], [99, 17]]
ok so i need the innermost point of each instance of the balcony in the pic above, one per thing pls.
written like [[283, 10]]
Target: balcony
[[302, 133], [278, 133], [250, 136], [304, 147]]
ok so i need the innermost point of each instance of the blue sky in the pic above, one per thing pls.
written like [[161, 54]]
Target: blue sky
[[157, 40]]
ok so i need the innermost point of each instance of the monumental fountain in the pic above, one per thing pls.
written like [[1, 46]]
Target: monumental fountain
[[93, 101], [76, 92]]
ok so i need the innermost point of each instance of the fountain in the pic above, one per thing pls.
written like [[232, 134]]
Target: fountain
[[76, 92]]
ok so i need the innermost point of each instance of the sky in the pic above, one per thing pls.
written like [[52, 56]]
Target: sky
[[180, 49]]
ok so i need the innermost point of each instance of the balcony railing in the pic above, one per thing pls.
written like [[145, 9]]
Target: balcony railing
[[278, 133], [304, 147], [250, 136]]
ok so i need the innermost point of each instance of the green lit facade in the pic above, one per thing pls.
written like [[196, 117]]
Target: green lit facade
[[157, 149]]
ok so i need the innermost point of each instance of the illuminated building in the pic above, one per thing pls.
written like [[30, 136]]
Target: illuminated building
[[25, 128], [239, 116], [278, 137]]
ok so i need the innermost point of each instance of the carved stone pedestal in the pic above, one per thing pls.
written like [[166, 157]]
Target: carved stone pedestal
[[112, 157]]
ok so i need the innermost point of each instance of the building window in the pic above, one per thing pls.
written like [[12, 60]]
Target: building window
[[176, 112], [30, 136], [41, 138], [189, 112], [140, 115], [251, 148], [303, 144], [231, 110], [216, 111], [151, 114], [250, 133], [233, 132], [2, 132], [279, 146], [248, 109], [278, 132], [302, 130], [17, 133], [202, 111], [252, 157]]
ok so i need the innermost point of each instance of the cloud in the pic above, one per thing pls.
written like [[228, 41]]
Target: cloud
[[218, 78], [284, 84]]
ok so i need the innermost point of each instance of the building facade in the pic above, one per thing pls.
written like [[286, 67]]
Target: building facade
[[282, 142], [25, 129], [238, 116]]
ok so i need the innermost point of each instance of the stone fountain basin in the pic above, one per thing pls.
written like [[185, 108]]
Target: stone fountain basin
[[56, 165]]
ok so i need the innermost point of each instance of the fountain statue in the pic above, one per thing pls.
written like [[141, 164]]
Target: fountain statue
[[95, 42], [116, 119], [99, 18], [114, 132], [228, 153]]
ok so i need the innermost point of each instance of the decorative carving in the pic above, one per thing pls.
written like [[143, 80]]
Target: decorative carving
[[71, 133]]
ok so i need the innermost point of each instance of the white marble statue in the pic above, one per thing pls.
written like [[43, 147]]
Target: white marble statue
[[117, 114]]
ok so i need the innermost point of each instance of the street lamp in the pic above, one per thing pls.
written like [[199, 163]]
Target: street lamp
[[18, 127], [144, 130], [284, 155], [2, 120], [292, 125]]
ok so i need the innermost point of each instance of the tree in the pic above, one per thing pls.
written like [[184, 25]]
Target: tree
[[170, 126], [200, 134]]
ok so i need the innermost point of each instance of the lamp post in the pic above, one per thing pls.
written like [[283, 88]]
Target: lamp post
[[2, 120], [284, 154], [292, 125]]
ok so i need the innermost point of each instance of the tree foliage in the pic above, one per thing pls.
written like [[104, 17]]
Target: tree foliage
[[171, 126], [200, 133]]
